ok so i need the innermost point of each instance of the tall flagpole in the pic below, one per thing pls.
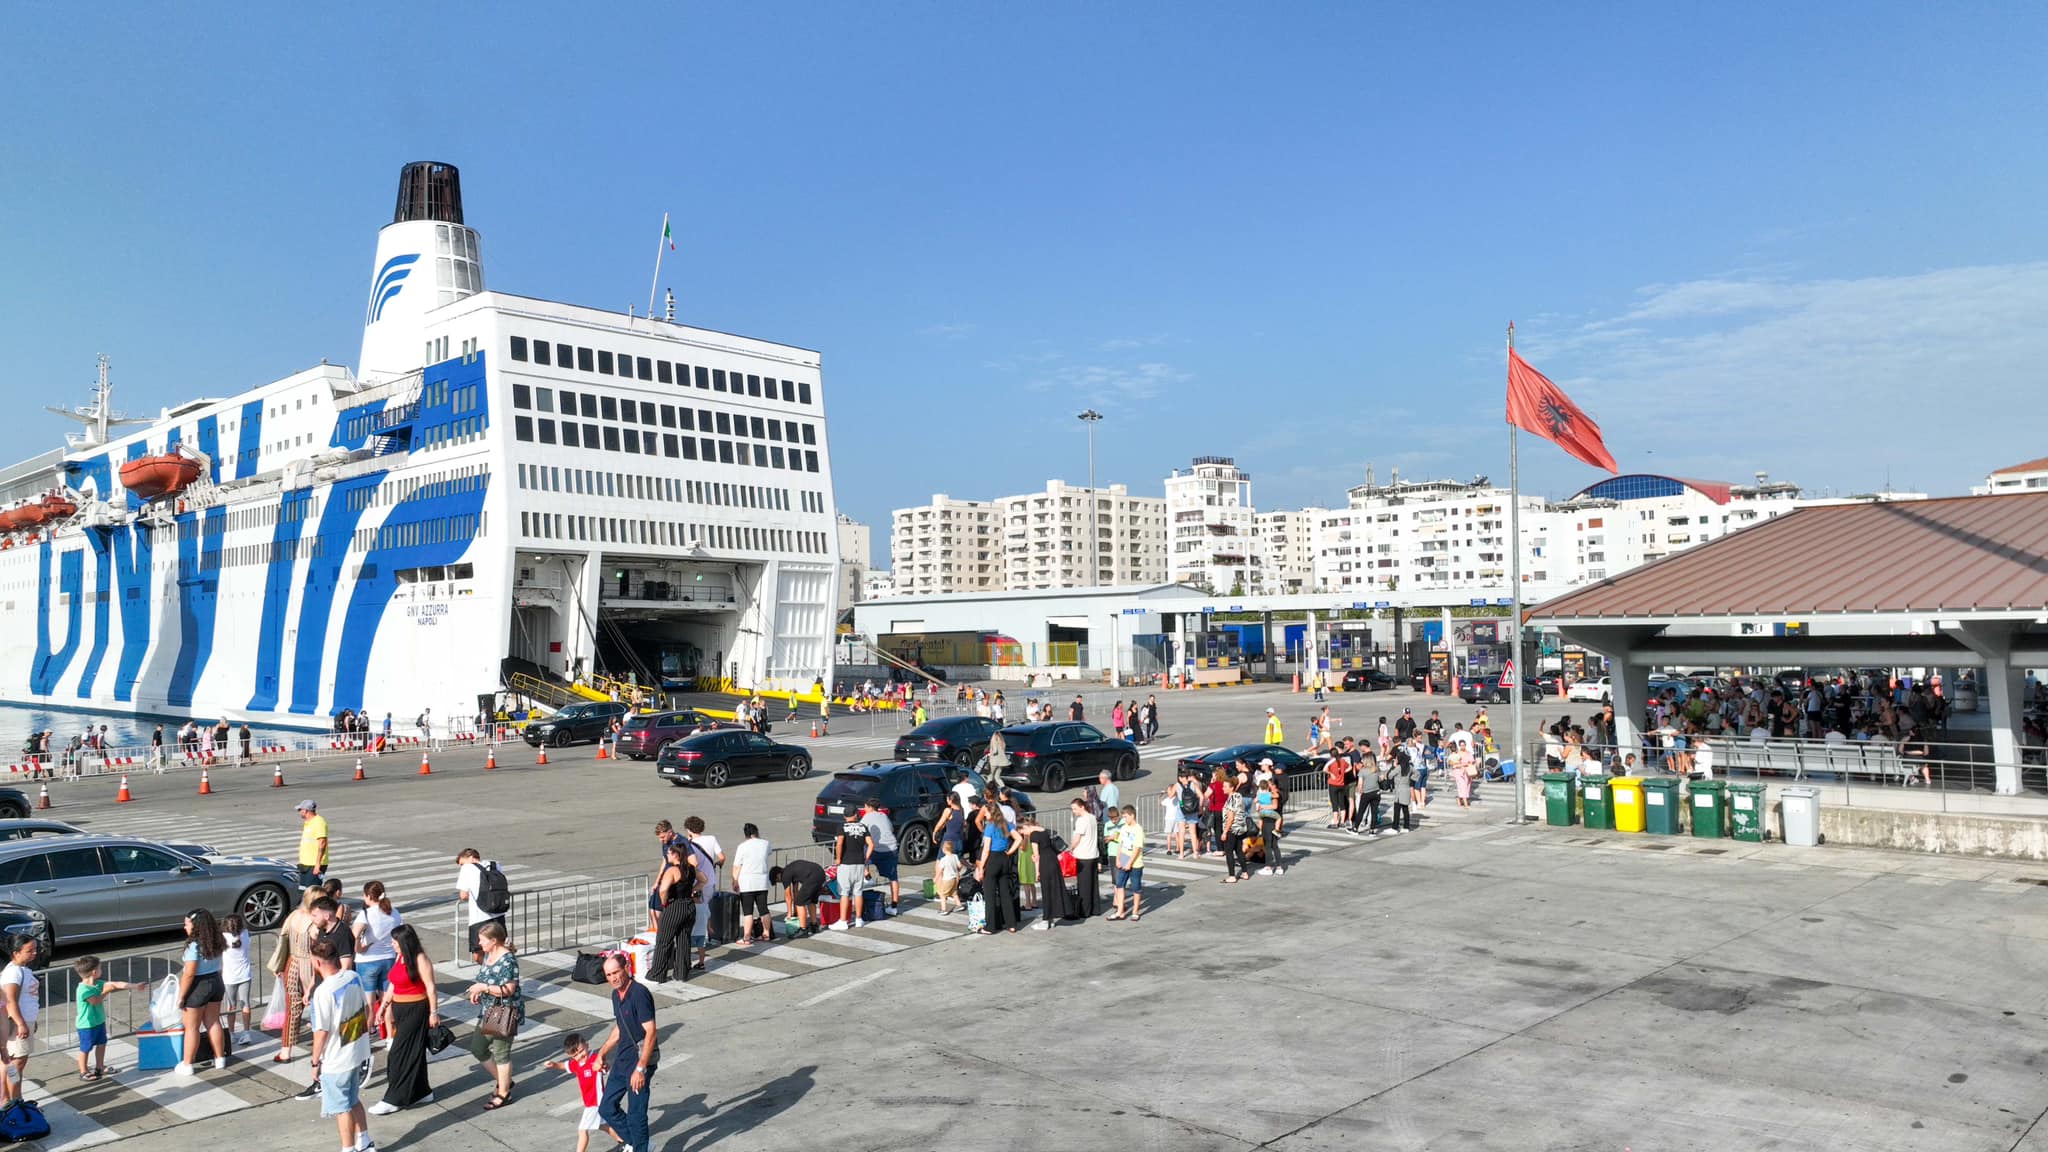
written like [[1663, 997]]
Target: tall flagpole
[[659, 242], [1522, 771]]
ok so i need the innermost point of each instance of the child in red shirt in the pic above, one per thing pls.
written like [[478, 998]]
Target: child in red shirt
[[579, 1061]]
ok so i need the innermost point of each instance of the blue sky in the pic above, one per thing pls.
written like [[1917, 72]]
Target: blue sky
[[1745, 237]]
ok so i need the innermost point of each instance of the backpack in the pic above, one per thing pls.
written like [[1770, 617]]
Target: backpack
[[1190, 800], [22, 1120], [494, 892]]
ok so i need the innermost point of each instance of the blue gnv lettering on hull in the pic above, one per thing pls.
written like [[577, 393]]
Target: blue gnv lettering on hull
[[198, 594], [433, 526], [323, 576], [49, 666], [277, 593], [132, 557], [102, 585]]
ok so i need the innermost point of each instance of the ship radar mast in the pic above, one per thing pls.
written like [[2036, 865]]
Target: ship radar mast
[[100, 415]]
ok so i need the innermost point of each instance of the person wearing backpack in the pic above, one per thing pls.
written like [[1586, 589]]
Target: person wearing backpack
[[1194, 805], [481, 885]]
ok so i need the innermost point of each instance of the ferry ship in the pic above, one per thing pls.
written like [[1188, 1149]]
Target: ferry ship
[[506, 488]]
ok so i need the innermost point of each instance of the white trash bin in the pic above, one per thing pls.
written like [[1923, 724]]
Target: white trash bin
[[1799, 810]]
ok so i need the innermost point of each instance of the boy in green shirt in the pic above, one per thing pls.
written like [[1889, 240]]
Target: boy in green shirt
[[92, 1014]]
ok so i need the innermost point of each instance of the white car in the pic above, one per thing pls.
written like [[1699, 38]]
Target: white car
[[1591, 691]]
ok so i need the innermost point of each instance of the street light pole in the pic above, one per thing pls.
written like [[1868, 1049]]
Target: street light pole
[[1091, 417]]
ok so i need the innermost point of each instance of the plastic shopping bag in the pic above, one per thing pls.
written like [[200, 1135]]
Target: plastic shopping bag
[[273, 1018], [163, 1004]]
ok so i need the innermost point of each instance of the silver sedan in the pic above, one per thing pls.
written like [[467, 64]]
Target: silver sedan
[[91, 887]]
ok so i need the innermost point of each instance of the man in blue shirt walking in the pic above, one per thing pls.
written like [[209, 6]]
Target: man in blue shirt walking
[[630, 1071]]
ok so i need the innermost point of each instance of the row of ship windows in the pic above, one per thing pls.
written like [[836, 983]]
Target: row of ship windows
[[527, 429], [631, 367], [634, 486], [667, 533], [433, 530], [591, 407]]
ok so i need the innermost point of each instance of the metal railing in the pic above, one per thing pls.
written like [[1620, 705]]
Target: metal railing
[[563, 916], [128, 1008], [1874, 773]]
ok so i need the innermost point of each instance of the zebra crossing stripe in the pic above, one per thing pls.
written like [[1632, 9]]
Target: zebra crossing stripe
[[187, 1099], [70, 1129]]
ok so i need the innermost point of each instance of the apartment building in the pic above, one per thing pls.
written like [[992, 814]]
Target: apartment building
[[1287, 551], [855, 551], [1045, 540], [947, 545], [2029, 477], [1211, 542]]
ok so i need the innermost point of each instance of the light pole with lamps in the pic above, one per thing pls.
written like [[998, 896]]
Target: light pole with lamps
[[1091, 417]]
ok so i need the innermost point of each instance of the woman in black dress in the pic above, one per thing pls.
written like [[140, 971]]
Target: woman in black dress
[[677, 886], [410, 1009], [1052, 886]]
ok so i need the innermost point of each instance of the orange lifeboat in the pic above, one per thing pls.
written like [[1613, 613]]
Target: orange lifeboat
[[10, 519], [43, 511], [152, 476]]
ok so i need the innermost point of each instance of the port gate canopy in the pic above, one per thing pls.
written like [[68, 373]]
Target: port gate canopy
[[1951, 583]]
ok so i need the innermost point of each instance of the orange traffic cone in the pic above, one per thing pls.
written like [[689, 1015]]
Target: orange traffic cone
[[1297, 682], [205, 785], [543, 757], [426, 769], [814, 729], [277, 776], [490, 759], [122, 797], [601, 754], [359, 769], [43, 801]]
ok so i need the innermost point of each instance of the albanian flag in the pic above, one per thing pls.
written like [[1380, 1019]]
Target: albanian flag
[[1536, 405]]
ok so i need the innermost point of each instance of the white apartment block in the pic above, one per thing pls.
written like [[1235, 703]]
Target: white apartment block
[[2029, 477], [945, 546], [855, 551], [1430, 535], [1287, 551], [1209, 515], [1045, 539]]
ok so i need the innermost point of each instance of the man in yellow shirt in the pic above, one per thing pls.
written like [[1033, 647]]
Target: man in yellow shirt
[[312, 843], [1273, 733]]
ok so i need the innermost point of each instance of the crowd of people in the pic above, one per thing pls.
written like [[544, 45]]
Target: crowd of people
[[1681, 726]]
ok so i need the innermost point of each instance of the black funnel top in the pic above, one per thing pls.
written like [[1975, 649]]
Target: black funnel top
[[429, 191]]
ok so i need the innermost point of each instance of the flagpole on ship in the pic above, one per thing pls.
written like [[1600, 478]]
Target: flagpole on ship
[[1515, 673], [659, 241]]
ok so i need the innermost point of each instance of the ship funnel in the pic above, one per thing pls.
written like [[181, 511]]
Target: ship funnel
[[426, 258], [428, 190]]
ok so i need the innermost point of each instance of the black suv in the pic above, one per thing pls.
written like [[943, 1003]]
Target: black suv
[[1298, 771], [1488, 690], [1055, 753], [961, 739], [575, 724], [647, 733], [715, 759], [912, 793], [1367, 680]]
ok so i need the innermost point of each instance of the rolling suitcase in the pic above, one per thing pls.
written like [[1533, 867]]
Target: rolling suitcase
[[725, 917]]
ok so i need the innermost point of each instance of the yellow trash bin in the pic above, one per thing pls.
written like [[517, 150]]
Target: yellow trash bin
[[1627, 792]]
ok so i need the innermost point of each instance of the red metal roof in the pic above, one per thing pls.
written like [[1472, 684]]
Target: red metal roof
[[1925, 557], [2040, 465]]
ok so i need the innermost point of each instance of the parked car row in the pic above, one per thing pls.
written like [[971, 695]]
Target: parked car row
[[58, 882]]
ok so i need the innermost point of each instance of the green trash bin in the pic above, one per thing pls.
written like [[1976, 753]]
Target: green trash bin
[[1709, 809], [1560, 802], [1746, 812], [1660, 806], [1596, 802]]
